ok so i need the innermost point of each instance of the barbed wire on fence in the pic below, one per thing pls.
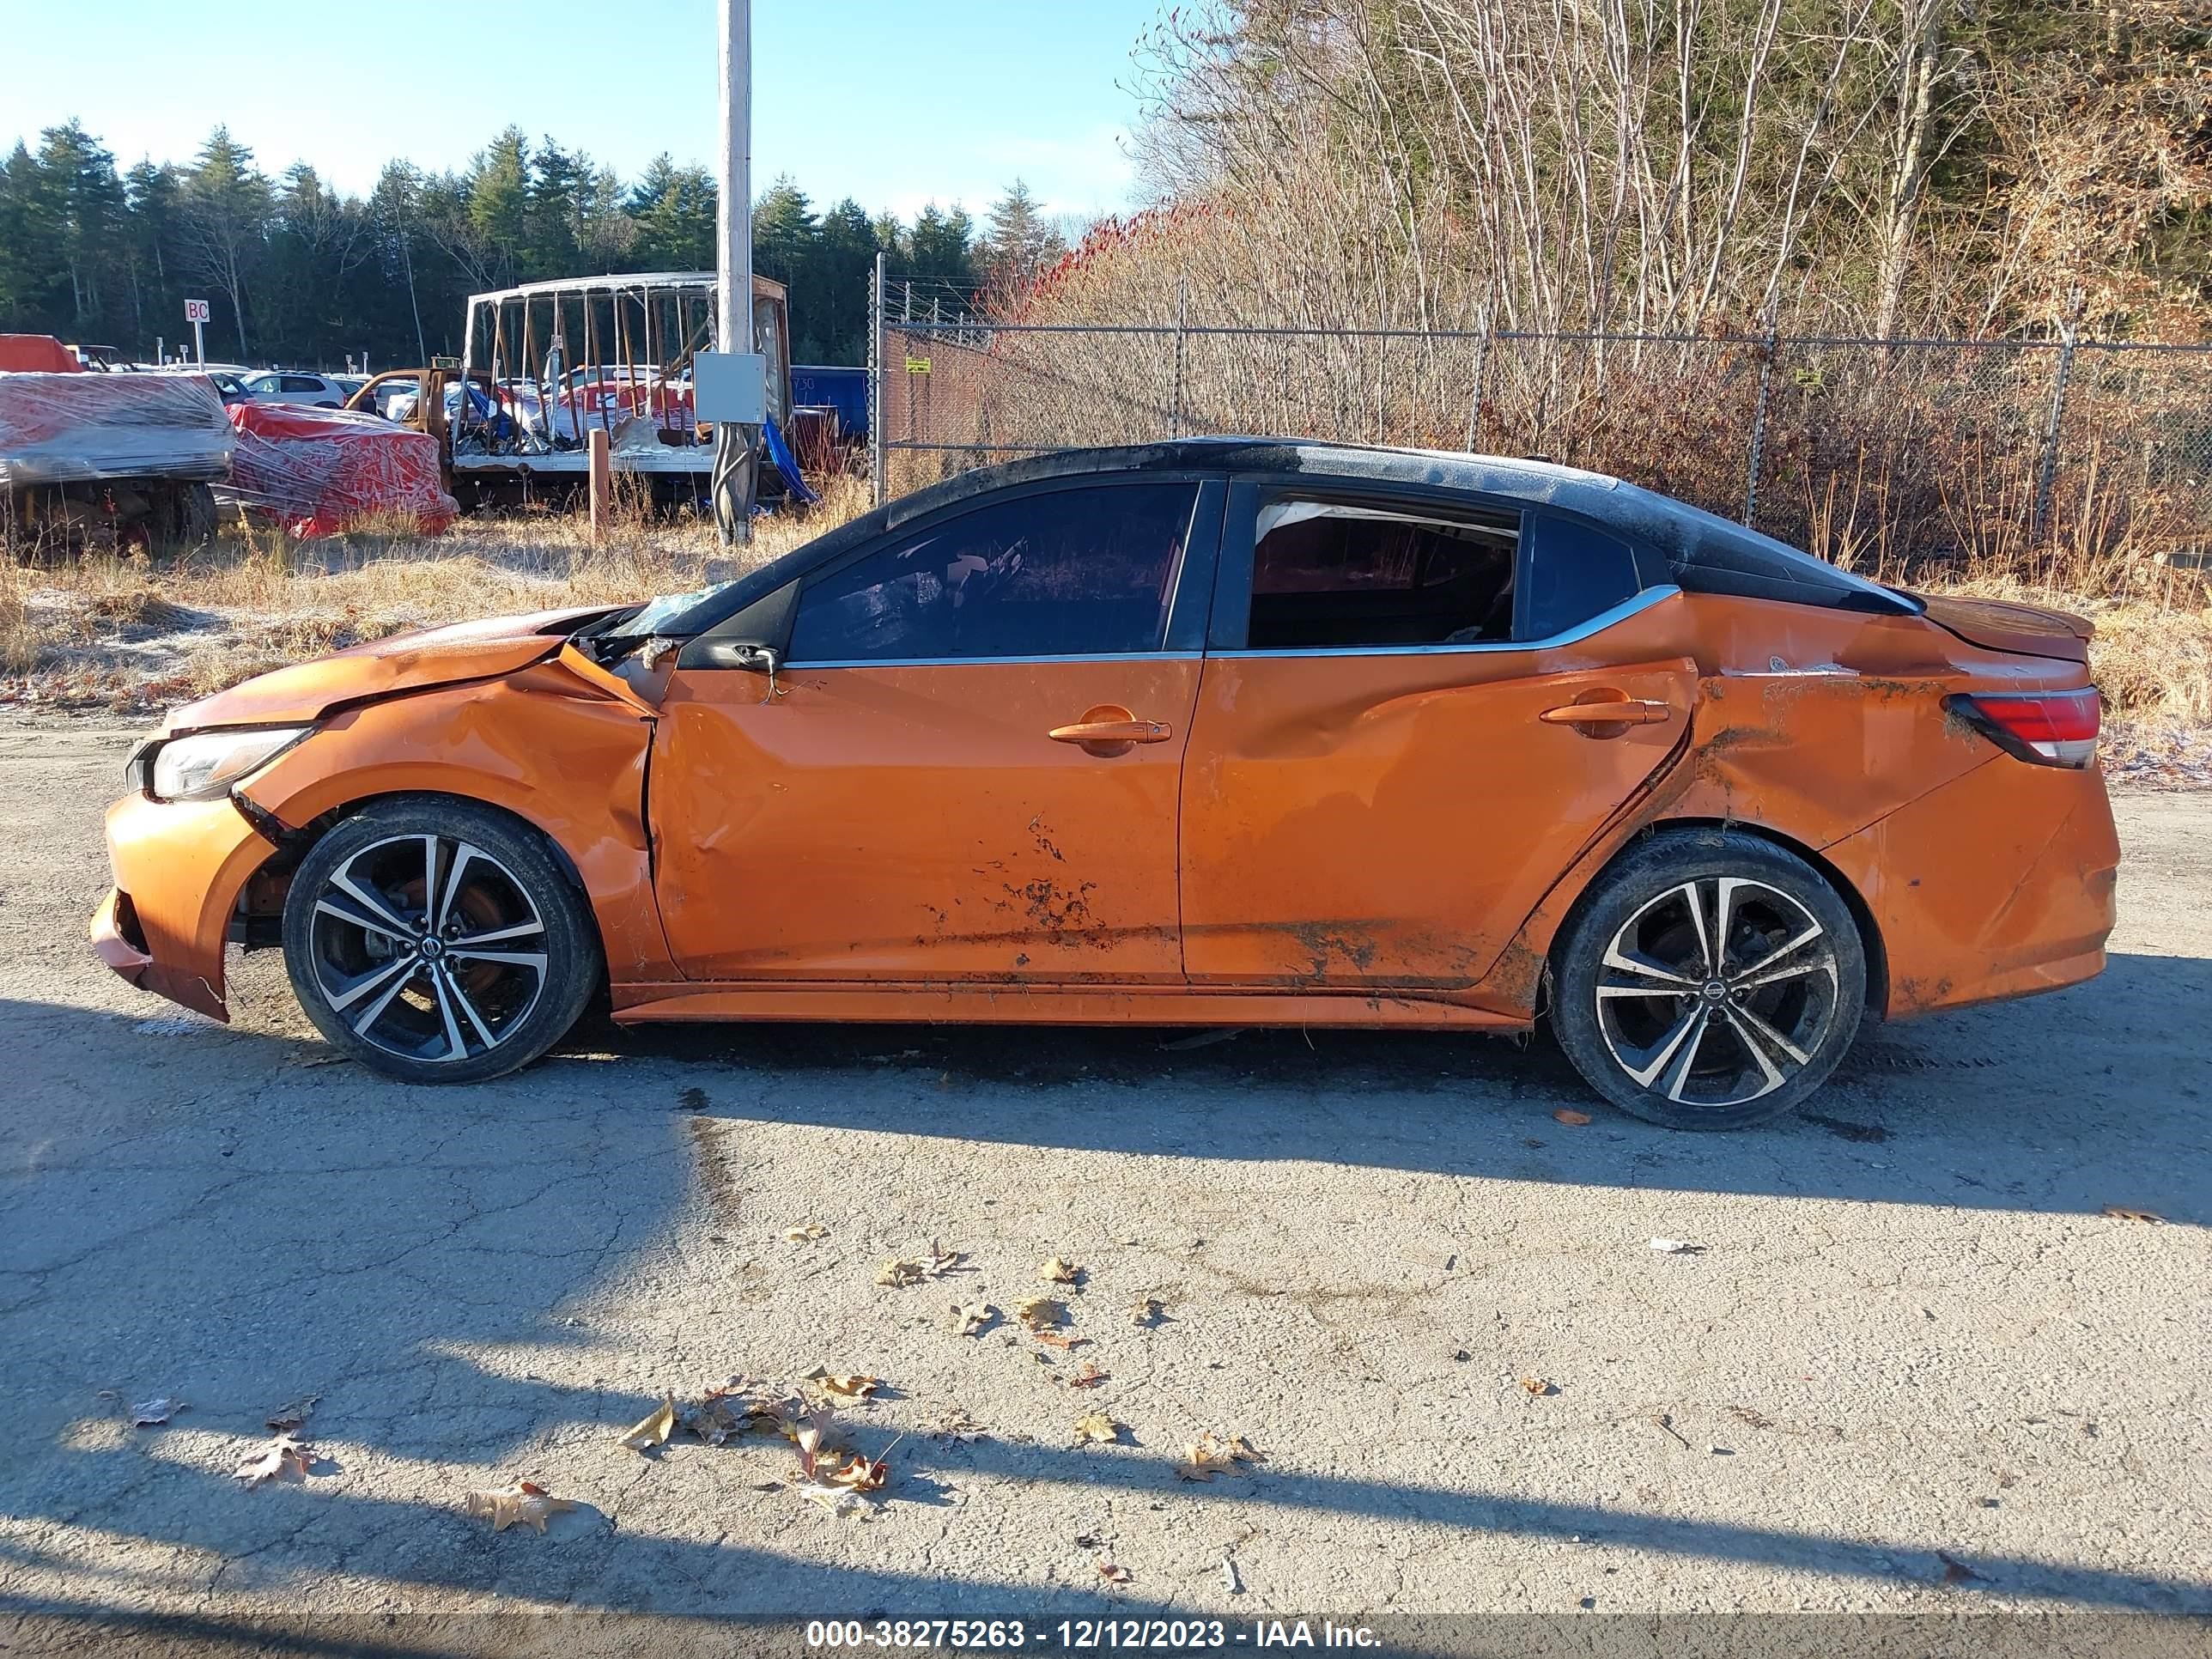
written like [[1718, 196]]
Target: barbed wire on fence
[[1883, 455]]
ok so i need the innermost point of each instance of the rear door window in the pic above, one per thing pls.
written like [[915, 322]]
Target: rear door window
[[1083, 572], [1337, 574], [1575, 572]]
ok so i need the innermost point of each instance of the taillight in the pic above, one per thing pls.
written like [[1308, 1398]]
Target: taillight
[[2052, 728]]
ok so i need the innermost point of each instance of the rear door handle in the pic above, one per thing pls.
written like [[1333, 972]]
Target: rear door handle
[[1628, 711], [1112, 731]]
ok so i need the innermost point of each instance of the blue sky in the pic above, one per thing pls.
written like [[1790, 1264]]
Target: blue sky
[[893, 102]]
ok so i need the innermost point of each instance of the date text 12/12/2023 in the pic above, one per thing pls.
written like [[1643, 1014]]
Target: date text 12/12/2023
[[1087, 1635]]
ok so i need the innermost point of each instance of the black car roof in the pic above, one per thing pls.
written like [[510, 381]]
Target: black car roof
[[1705, 551]]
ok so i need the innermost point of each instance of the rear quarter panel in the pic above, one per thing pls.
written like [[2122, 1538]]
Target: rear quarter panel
[[1812, 725]]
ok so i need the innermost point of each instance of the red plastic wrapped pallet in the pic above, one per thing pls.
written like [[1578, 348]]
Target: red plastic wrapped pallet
[[323, 470]]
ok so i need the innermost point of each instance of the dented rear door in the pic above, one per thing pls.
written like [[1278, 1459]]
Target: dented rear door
[[1388, 817]]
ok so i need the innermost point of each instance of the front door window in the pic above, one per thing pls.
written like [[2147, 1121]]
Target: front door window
[[1066, 573]]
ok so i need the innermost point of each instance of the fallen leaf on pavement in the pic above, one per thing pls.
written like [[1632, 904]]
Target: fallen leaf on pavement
[[858, 1473], [969, 1318], [812, 1435], [1112, 1573], [525, 1502], [805, 1233], [941, 1260], [653, 1428], [1148, 1312], [281, 1457], [1096, 1426], [1056, 1339], [2120, 1212], [1537, 1387], [899, 1274], [1956, 1571], [1057, 1272], [149, 1413], [1675, 1247], [1215, 1453], [855, 1386], [291, 1419], [838, 1500], [957, 1424], [1088, 1377], [1570, 1117], [1042, 1313]]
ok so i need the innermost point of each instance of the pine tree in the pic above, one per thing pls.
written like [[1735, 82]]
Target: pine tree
[[223, 223], [1021, 243], [77, 213], [555, 198], [674, 211], [499, 206]]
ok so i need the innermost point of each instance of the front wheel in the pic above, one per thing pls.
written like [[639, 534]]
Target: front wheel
[[1710, 980], [438, 941]]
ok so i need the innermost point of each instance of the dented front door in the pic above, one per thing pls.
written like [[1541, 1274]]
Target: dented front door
[[920, 823], [1390, 819]]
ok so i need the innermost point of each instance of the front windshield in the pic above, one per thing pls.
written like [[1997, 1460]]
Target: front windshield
[[647, 617]]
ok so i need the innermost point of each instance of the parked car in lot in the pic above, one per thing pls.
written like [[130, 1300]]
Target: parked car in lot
[[295, 386], [1227, 733]]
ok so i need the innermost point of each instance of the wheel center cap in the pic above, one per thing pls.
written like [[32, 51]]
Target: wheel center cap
[[431, 946], [1714, 990]]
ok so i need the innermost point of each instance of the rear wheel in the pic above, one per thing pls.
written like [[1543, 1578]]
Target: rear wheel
[[1711, 981], [438, 941]]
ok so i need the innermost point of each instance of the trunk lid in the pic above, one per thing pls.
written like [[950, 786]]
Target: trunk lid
[[2001, 625]]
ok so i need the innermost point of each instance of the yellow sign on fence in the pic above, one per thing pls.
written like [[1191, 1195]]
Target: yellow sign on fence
[[917, 365]]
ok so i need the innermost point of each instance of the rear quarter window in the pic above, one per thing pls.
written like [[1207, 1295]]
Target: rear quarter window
[[1574, 572]]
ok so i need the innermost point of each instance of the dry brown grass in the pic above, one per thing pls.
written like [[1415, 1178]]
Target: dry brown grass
[[127, 633]]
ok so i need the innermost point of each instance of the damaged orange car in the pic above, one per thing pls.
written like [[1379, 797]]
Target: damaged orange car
[[1221, 731]]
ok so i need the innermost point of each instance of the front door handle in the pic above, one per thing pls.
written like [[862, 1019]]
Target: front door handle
[[1108, 730], [1610, 711], [1121, 731]]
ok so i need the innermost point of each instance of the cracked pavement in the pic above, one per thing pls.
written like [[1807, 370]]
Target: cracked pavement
[[1909, 1340]]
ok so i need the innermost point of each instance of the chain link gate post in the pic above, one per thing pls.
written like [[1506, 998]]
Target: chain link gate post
[[1481, 373], [1758, 417], [1182, 324], [2046, 465], [879, 452]]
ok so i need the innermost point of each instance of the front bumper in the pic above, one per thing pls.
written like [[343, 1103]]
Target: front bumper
[[178, 868]]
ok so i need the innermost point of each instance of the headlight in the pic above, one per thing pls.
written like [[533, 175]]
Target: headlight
[[204, 765]]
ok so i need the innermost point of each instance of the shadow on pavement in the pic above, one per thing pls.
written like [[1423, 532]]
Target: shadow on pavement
[[2066, 1103], [403, 1223]]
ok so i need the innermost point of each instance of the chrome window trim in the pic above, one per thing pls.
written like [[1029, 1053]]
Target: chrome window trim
[[1581, 631], [998, 662]]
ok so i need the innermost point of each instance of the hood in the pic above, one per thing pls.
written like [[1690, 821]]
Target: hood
[[2001, 625], [405, 662]]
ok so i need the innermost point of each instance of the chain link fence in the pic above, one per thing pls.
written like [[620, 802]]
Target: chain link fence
[[2064, 461]]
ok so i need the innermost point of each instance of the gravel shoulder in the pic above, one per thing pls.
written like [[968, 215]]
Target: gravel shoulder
[[1912, 1366]]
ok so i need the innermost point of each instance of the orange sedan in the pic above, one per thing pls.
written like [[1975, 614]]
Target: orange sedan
[[1222, 732]]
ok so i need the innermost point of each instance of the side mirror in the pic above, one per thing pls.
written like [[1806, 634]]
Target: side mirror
[[758, 659], [728, 654]]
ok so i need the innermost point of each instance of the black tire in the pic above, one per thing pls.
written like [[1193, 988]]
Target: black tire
[[1634, 1001], [411, 999]]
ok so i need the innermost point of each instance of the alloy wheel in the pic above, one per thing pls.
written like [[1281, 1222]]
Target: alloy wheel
[[1717, 992], [429, 948]]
